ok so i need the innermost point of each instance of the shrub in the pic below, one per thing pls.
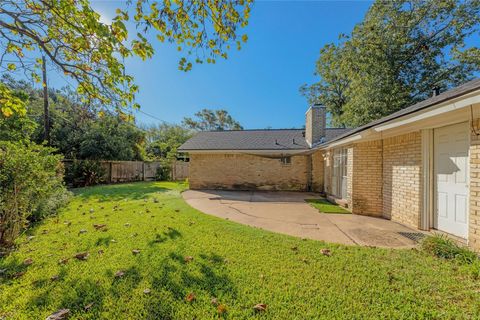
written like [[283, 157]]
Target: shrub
[[83, 173], [30, 179], [50, 205], [444, 247]]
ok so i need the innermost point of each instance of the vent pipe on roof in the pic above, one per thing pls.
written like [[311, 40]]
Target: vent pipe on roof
[[436, 91]]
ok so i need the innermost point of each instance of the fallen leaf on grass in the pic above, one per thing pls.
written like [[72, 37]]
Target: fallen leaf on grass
[[326, 252], [260, 307], [295, 248], [190, 297], [28, 261], [146, 291], [222, 309], [188, 259], [100, 251], [18, 274], [92, 211], [59, 315], [88, 306], [30, 238], [63, 260], [99, 226], [214, 301], [119, 274], [127, 224], [81, 256], [135, 251], [82, 231], [54, 277]]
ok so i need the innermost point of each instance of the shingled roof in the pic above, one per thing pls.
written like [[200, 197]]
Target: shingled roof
[[261, 139], [461, 90]]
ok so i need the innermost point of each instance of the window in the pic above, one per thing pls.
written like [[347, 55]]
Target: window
[[286, 160], [339, 178]]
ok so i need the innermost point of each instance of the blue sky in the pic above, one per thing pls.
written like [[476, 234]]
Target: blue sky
[[258, 85]]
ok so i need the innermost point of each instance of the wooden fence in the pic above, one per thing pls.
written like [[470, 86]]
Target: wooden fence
[[179, 170], [128, 171]]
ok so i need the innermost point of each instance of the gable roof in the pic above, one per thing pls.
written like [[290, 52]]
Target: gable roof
[[443, 97], [259, 139]]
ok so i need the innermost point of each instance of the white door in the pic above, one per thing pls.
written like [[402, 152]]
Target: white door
[[451, 145]]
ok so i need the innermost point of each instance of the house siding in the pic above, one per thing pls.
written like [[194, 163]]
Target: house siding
[[366, 178], [402, 178], [318, 171], [474, 219], [247, 172], [385, 178]]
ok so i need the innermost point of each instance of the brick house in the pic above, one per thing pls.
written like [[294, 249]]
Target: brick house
[[419, 166]]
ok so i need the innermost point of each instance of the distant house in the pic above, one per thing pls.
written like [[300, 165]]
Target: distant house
[[419, 166]]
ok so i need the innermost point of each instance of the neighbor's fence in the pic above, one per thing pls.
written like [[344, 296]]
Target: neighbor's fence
[[129, 171]]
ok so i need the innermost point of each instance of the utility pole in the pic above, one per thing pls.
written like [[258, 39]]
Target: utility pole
[[46, 116]]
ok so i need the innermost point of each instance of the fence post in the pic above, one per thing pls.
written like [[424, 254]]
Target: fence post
[[143, 169], [110, 165]]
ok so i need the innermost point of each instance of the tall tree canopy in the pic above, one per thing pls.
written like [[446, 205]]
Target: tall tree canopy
[[164, 139], [78, 129], [70, 34], [395, 57], [212, 120]]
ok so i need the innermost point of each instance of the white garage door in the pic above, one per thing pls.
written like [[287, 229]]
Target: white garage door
[[451, 145]]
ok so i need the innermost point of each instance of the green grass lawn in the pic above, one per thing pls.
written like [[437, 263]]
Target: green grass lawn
[[325, 206], [182, 251]]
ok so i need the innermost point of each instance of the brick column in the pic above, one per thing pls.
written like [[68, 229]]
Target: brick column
[[365, 175], [474, 216]]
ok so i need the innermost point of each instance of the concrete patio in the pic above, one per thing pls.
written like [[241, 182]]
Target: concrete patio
[[288, 213]]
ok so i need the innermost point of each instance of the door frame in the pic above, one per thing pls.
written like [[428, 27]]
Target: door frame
[[427, 219]]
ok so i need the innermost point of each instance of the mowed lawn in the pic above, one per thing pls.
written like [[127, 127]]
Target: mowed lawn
[[187, 258]]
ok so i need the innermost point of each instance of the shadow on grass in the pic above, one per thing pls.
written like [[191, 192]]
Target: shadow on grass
[[11, 269], [132, 191], [104, 241], [173, 279], [82, 296], [209, 279], [171, 234]]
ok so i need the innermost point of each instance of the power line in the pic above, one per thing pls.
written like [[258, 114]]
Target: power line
[[149, 115]]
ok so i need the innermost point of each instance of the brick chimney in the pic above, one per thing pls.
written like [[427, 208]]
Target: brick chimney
[[315, 123]]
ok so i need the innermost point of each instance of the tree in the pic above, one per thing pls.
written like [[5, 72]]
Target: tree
[[75, 125], [14, 125], [395, 57], [111, 138], [70, 34], [212, 120], [164, 139]]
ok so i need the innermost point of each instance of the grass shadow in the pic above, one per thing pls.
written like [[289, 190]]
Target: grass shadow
[[104, 241], [83, 295]]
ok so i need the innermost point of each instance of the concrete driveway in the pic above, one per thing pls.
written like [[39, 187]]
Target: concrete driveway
[[288, 213]]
